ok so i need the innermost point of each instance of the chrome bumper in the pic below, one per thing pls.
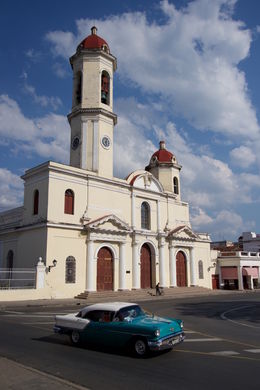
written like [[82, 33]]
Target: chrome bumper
[[166, 343]]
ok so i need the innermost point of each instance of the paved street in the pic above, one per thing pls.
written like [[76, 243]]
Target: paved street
[[222, 348]]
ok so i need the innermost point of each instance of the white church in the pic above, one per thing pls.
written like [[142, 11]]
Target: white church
[[104, 233]]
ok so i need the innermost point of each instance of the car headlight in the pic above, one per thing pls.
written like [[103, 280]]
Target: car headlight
[[157, 332], [181, 324]]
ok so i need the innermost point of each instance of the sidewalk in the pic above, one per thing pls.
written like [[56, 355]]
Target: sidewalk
[[29, 378], [124, 296]]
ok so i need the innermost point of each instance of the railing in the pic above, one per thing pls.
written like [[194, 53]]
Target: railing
[[17, 278], [239, 254]]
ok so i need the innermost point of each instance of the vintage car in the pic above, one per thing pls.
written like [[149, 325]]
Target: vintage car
[[120, 324]]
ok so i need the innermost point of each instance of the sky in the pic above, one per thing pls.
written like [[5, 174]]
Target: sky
[[188, 73]]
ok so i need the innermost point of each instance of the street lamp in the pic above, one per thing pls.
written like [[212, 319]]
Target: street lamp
[[51, 266]]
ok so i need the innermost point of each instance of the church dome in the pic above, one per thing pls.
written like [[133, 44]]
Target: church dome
[[93, 41], [163, 155]]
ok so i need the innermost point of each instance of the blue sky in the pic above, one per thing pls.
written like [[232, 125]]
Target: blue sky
[[188, 73]]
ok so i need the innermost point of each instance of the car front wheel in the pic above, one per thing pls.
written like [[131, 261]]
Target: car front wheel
[[75, 337], [140, 347]]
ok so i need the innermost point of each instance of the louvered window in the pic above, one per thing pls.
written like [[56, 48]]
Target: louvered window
[[70, 276], [69, 202], [145, 216]]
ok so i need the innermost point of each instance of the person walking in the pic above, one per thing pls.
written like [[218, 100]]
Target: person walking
[[158, 289]]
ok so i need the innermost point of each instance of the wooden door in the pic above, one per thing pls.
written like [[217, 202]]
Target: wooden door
[[181, 270], [104, 270], [146, 268], [215, 282]]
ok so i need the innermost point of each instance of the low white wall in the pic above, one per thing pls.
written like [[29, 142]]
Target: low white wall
[[33, 294], [23, 295]]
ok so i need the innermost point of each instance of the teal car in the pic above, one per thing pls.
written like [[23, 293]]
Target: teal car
[[121, 324]]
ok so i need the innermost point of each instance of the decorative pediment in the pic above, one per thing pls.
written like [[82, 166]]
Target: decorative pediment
[[108, 223], [144, 180], [183, 232]]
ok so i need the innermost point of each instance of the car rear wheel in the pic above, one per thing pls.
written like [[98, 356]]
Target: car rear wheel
[[140, 347], [75, 337]]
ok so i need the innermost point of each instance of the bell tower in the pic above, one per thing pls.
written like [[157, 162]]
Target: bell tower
[[92, 119], [164, 166]]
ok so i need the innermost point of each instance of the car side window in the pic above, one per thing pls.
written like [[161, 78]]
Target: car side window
[[99, 315], [128, 313]]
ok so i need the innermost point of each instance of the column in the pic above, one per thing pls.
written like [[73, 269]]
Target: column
[[40, 274], [173, 280], [193, 278], [84, 143], [158, 217], [90, 285], [95, 161], [133, 210], [218, 269], [135, 267], [122, 267], [162, 277], [240, 278]]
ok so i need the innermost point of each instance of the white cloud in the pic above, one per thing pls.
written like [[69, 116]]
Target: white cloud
[[11, 189], [226, 224], [47, 137], [53, 101], [64, 43], [242, 156], [33, 55], [199, 218], [13, 124], [60, 70]]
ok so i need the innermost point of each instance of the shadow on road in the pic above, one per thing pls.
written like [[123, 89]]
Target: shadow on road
[[244, 310], [63, 340]]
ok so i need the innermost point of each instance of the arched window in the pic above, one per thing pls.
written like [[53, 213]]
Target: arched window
[[36, 202], [201, 273], [69, 202], [70, 275], [175, 185], [78, 89], [105, 87], [145, 216]]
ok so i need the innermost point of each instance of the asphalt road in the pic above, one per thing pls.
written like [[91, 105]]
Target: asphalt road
[[221, 350]]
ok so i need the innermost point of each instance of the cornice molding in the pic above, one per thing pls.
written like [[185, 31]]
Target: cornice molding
[[92, 111]]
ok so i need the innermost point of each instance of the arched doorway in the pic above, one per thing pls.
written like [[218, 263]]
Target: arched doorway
[[104, 270], [181, 269], [146, 267]]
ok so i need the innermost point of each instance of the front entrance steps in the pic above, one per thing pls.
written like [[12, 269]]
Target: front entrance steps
[[143, 294]]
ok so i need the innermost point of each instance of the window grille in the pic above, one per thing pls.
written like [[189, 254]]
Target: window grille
[[145, 216], [70, 270]]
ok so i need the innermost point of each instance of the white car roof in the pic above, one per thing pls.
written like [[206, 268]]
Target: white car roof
[[110, 306]]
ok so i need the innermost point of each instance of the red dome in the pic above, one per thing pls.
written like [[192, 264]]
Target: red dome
[[163, 155], [93, 41]]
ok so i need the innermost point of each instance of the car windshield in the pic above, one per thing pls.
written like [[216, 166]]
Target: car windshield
[[128, 313]]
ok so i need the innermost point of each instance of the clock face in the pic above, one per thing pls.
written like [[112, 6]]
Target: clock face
[[75, 143], [106, 142]]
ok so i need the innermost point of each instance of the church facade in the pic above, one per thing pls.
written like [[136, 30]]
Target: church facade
[[105, 233]]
